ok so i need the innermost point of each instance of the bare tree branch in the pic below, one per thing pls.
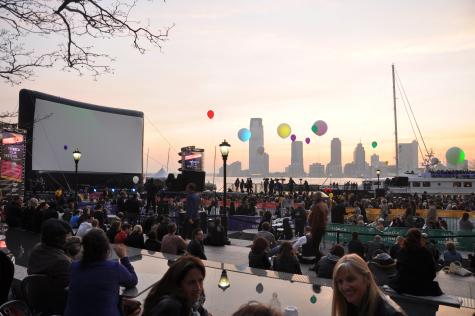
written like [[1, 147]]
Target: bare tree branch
[[77, 21]]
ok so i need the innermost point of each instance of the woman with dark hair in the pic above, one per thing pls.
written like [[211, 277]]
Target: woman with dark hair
[[286, 260], [179, 292], [258, 256], [266, 218], [98, 278], [416, 268], [113, 230]]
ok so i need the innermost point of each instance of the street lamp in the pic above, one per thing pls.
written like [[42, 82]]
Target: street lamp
[[378, 172], [224, 148], [76, 157]]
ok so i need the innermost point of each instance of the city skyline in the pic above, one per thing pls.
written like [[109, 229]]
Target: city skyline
[[294, 63]]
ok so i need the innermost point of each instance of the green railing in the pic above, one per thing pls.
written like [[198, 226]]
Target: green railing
[[341, 233]]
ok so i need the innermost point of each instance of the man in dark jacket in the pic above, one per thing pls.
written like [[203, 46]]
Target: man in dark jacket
[[48, 257], [326, 265], [195, 247], [355, 245]]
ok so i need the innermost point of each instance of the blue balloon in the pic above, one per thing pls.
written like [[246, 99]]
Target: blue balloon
[[244, 134]]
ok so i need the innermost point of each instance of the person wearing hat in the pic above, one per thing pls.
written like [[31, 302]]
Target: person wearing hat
[[383, 267]]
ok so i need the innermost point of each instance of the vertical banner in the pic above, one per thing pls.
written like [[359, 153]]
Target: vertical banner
[[12, 156]]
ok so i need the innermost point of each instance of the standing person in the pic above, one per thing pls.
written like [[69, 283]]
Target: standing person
[[465, 224], [306, 187], [266, 185], [152, 191], [271, 187], [338, 212], [180, 291], [300, 218], [132, 207], [14, 212], [384, 210], [356, 293], [236, 184], [291, 185], [318, 221], [95, 276], [192, 208], [431, 218], [241, 185], [195, 246]]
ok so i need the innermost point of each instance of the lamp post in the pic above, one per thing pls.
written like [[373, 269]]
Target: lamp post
[[76, 157], [378, 172], [224, 148]]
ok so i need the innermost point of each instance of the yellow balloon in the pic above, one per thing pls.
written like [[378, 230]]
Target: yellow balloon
[[284, 130], [330, 195]]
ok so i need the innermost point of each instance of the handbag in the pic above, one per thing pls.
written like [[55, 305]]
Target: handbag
[[456, 268], [129, 306]]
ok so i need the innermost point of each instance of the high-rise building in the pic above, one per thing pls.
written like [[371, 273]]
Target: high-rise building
[[334, 167], [408, 157], [296, 160], [258, 158], [359, 167], [316, 170]]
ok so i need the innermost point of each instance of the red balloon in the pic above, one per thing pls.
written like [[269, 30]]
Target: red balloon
[[210, 114]]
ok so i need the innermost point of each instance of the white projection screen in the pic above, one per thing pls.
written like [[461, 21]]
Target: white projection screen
[[108, 142]]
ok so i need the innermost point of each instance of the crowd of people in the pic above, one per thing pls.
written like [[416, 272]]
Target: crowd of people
[[74, 251]]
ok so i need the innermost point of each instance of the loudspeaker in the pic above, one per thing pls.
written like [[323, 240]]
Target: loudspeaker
[[197, 177]]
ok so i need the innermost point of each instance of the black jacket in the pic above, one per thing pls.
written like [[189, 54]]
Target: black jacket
[[259, 260], [384, 307], [135, 240], [173, 306], [416, 271], [287, 264], [196, 248], [356, 246]]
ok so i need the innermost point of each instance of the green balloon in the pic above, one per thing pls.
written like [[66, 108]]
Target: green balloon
[[374, 144], [314, 128], [313, 299]]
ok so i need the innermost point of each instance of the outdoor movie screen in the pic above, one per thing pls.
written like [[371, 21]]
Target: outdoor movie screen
[[110, 140]]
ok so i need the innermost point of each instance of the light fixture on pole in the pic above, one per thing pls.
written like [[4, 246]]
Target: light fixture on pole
[[378, 173], [223, 282], [224, 148], [76, 157]]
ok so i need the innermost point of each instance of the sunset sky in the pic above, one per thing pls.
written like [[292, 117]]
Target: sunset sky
[[287, 61]]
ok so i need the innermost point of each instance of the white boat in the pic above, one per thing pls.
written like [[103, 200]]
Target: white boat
[[431, 181]]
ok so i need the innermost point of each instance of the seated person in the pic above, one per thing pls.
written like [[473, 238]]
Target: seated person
[[307, 253], [256, 309], [216, 236], [451, 254], [327, 263], [286, 260], [258, 256], [288, 233], [48, 257], [172, 243], [265, 233], [375, 244], [355, 245], [152, 243], [416, 268], [383, 267], [136, 238], [180, 291], [195, 246], [122, 235]]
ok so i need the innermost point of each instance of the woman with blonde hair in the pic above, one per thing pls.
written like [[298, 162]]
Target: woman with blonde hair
[[355, 292]]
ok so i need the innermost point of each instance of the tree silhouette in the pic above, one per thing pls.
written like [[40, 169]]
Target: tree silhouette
[[69, 24]]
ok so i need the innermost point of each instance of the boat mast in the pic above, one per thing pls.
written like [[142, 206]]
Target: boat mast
[[395, 123]]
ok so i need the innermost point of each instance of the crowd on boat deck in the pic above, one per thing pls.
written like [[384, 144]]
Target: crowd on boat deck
[[74, 247]]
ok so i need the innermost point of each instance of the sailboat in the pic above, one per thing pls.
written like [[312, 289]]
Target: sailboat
[[431, 180]]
